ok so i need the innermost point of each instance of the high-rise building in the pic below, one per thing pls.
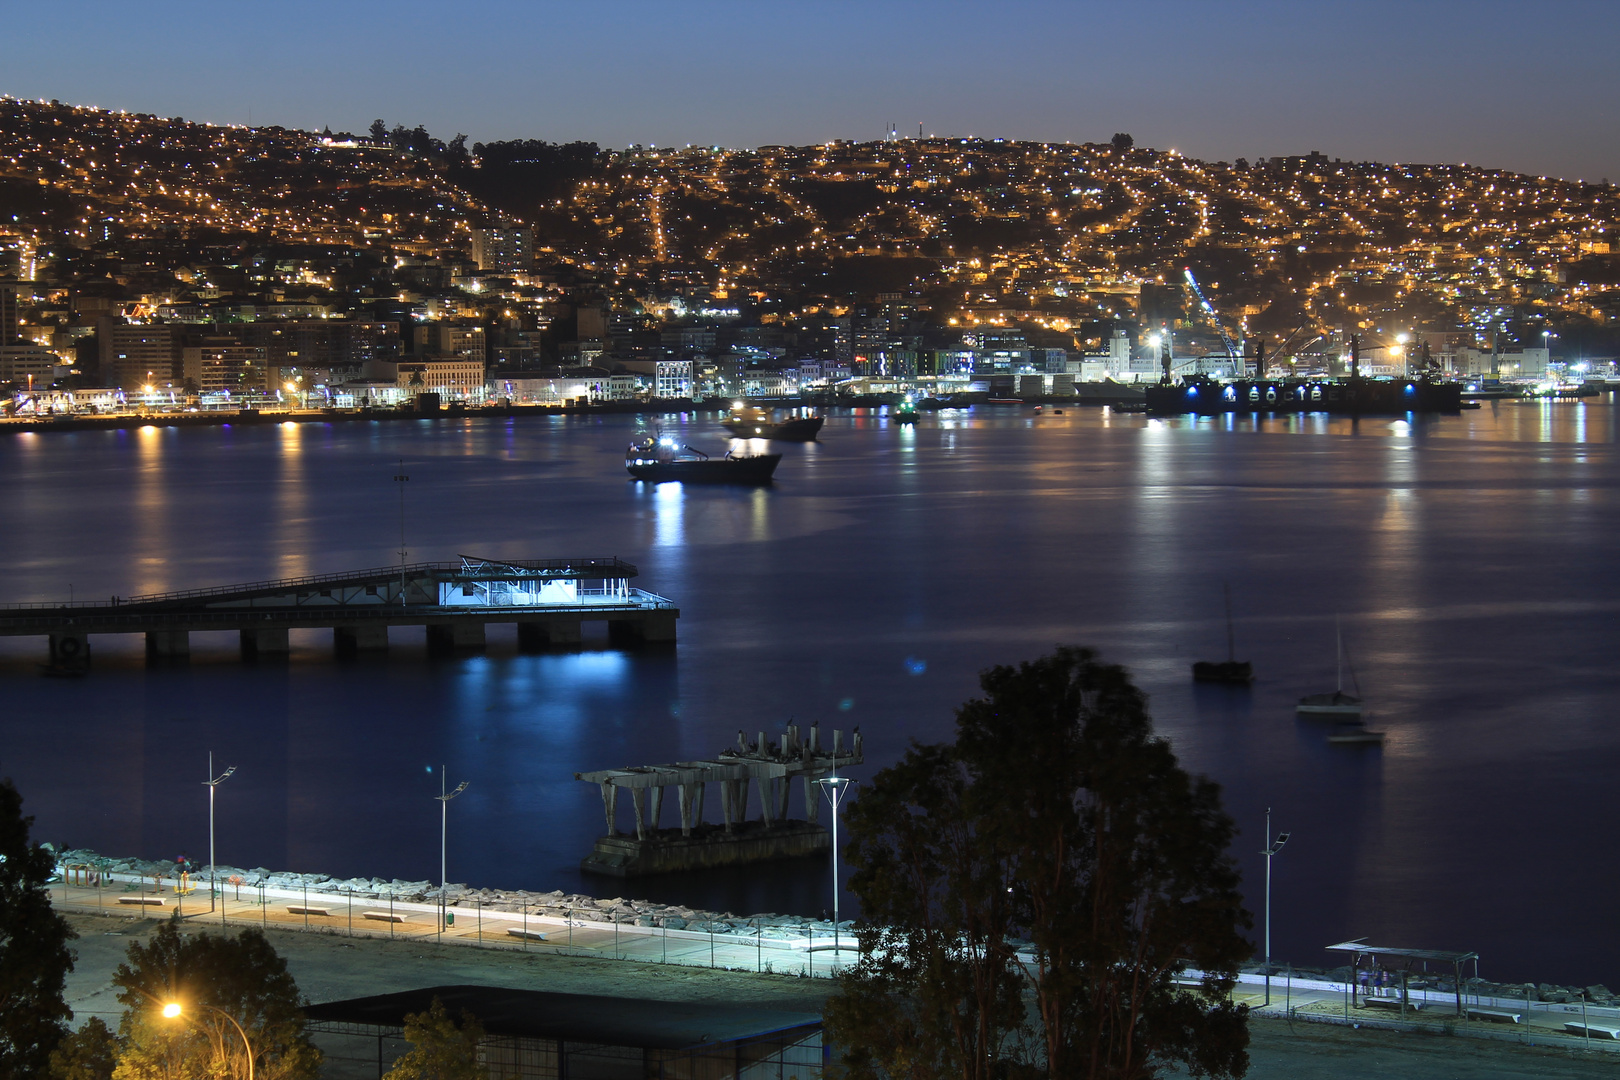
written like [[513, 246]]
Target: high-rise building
[[135, 355], [222, 363], [9, 315], [503, 251]]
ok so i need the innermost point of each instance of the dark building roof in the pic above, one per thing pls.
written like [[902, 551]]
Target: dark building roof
[[634, 1022]]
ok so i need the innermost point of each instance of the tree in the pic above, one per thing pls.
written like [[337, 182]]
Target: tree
[[1032, 890], [34, 954], [439, 1049], [216, 980], [1122, 142], [379, 130], [91, 1053]]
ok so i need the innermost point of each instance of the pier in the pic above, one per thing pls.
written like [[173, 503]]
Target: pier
[[548, 600], [769, 767]]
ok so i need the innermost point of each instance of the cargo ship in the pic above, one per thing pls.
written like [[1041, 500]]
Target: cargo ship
[[1353, 396], [761, 424], [658, 459]]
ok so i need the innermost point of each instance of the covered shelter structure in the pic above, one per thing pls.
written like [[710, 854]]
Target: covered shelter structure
[[540, 1035], [1399, 961]]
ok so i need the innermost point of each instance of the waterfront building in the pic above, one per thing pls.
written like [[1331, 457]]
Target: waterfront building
[[221, 363], [133, 355], [454, 378], [672, 379]]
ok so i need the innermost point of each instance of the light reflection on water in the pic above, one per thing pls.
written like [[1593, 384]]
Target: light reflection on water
[[1469, 557]]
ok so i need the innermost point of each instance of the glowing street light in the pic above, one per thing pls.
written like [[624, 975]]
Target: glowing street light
[[172, 1011], [444, 798], [836, 788], [213, 782], [1272, 847]]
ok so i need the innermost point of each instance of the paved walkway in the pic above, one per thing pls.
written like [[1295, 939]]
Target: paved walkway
[[808, 952]]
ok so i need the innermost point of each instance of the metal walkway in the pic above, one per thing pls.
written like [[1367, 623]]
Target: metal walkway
[[547, 599]]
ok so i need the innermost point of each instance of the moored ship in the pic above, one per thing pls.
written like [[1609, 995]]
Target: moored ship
[[755, 423], [656, 460]]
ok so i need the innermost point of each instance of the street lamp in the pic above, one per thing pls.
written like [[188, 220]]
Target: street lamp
[[172, 1011], [213, 782], [1272, 847], [444, 798], [836, 788]]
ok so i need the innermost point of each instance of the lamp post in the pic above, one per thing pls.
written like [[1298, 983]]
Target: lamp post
[[1272, 847], [172, 1011], [213, 782], [836, 788], [444, 798]]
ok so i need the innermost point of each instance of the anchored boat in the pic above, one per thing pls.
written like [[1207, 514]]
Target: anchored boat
[[656, 460], [760, 424], [1231, 670], [1337, 704]]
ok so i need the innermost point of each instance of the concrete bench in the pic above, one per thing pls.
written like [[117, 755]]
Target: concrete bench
[[382, 916], [1596, 1031], [293, 910], [1389, 1003], [152, 901], [531, 935], [1495, 1016]]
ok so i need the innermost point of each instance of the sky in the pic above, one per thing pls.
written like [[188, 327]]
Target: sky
[[1531, 87]]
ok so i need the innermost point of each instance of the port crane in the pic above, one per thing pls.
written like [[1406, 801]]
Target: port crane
[[1209, 309]]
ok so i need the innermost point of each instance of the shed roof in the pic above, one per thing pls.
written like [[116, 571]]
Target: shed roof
[[1444, 956], [609, 1021]]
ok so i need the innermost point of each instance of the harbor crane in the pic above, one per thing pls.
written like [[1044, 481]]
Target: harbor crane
[[1231, 347]]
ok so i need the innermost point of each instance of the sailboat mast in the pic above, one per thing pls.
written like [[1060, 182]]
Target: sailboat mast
[[1231, 648], [1338, 650]]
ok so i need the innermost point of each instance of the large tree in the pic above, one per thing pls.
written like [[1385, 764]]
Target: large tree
[[34, 954], [1034, 891], [440, 1048], [234, 993]]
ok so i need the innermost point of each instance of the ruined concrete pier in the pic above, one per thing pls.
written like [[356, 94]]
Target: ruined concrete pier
[[768, 767]]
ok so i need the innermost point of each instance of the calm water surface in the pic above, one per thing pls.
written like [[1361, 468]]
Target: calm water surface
[[1471, 560]]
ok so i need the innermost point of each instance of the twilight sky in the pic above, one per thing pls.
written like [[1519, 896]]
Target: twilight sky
[[1527, 86]]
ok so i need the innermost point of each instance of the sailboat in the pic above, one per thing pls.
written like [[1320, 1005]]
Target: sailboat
[[1231, 670], [1337, 704]]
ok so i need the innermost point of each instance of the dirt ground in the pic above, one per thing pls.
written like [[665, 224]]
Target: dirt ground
[[330, 967]]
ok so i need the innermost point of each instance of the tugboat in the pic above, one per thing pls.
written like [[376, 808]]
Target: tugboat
[[746, 423], [905, 412], [656, 459], [1231, 670]]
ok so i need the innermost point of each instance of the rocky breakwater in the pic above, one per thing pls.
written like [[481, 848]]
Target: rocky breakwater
[[237, 882]]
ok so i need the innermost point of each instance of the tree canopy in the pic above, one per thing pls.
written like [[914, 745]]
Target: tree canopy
[[440, 1049], [34, 954], [1032, 891], [219, 982]]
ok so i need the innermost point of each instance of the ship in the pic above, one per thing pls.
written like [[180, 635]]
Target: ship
[[755, 423], [1351, 397], [658, 459]]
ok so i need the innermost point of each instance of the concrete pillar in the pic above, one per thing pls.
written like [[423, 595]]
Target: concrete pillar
[[812, 800], [697, 804], [683, 795], [367, 637], [645, 628], [638, 798], [610, 805], [168, 645], [553, 633], [461, 635], [655, 807], [265, 641], [70, 649], [728, 793]]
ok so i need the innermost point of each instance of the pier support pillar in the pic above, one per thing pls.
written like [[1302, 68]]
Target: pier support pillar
[[348, 640], [168, 645], [268, 641], [648, 628], [70, 650], [455, 636], [538, 636]]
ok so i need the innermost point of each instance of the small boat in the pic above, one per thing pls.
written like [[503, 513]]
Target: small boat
[[1231, 670], [1338, 703], [656, 460], [905, 412], [759, 424], [1355, 735]]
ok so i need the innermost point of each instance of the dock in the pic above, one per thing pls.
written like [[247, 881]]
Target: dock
[[768, 767], [548, 600]]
